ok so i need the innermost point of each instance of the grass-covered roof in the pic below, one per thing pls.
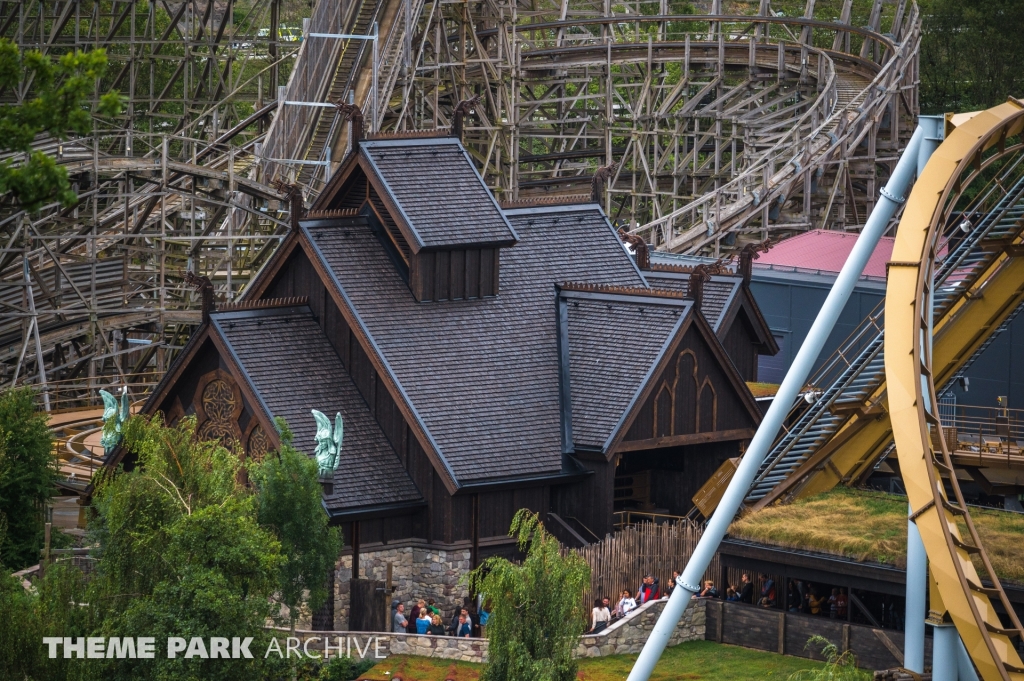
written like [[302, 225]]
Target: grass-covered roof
[[872, 526]]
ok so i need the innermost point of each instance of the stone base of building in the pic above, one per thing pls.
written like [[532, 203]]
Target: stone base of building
[[415, 573]]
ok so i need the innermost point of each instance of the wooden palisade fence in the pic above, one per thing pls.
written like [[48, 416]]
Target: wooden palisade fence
[[621, 560]]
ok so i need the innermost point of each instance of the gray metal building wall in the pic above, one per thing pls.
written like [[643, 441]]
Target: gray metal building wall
[[791, 300]]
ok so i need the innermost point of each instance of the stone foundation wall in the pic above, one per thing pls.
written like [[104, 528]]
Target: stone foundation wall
[[415, 573], [628, 635], [625, 636]]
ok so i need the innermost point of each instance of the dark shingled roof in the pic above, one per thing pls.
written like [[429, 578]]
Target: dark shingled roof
[[718, 293], [482, 374], [292, 367], [439, 191], [614, 343]]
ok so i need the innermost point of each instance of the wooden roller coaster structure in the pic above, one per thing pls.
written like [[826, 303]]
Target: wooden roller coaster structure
[[720, 127]]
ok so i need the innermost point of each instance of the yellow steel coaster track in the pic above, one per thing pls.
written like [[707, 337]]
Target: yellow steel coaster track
[[954, 558], [964, 322]]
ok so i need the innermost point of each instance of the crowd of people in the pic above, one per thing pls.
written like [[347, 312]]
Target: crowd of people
[[801, 596], [468, 620], [604, 613]]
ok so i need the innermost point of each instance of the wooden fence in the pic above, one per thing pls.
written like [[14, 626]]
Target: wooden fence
[[621, 560], [788, 633]]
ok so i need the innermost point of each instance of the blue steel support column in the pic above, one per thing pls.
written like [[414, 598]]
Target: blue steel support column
[[917, 589], [945, 646], [891, 198], [916, 594], [917, 559]]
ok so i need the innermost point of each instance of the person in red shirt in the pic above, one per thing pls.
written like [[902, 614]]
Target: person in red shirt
[[648, 591]]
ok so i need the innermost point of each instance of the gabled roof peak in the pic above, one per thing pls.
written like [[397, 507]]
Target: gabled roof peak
[[430, 189]]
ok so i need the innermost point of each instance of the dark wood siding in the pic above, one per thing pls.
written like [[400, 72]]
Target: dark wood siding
[[788, 633], [677, 473], [589, 501], [454, 274], [740, 342], [692, 395], [184, 395]]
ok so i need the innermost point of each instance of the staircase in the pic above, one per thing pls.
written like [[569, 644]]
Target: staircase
[[353, 53], [856, 388]]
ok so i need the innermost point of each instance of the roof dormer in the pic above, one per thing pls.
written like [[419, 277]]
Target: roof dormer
[[431, 210]]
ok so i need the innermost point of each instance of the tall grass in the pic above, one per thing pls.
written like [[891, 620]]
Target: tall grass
[[872, 527]]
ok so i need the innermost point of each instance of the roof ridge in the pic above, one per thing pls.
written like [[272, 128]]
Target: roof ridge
[[264, 304], [408, 134], [622, 290], [561, 200], [711, 268], [335, 213]]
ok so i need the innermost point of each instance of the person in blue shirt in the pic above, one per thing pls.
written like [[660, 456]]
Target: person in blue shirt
[[423, 621], [465, 628], [485, 616]]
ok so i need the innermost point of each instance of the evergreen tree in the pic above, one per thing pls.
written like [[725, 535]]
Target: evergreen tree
[[28, 470]]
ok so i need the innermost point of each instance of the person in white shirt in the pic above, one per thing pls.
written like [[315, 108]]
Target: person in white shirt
[[625, 604], [599, 617]]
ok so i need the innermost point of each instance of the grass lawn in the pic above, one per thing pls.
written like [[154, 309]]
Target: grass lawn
[[872, 526], [694, 660]]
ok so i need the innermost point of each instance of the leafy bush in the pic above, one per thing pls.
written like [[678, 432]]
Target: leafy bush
[[290, 506], [182, 552], [537, 616], [336, 669]]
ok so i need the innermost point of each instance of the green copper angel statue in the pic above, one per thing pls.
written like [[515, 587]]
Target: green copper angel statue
[[114, 417], [328, 444]]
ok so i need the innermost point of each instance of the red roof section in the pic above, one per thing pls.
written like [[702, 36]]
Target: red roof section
[[825, 251]]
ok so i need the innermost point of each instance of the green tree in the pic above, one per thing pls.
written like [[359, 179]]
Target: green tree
[[182, 553], [538, 615], [28, 470], [60, 91], [971, 53], [55, 606], [290, 505], [19, 630]]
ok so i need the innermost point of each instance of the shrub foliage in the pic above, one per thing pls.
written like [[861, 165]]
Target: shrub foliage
[[537, 614]]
